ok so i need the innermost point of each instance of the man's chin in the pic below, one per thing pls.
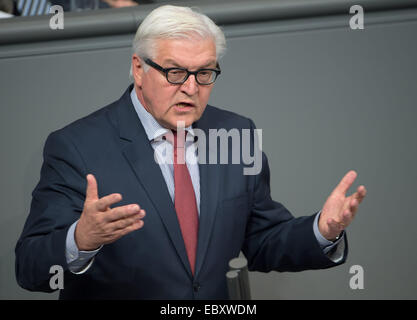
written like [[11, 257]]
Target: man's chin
[[182, 122]]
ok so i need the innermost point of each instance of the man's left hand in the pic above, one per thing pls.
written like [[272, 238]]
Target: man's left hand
[[339, 210]]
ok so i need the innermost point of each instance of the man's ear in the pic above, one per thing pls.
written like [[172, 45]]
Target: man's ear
[[137, 69]]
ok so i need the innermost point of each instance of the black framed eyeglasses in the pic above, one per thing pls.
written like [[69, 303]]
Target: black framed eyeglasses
[[180, 75]]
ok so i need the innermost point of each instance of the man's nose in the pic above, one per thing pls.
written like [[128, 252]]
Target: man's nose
[[190, 86]]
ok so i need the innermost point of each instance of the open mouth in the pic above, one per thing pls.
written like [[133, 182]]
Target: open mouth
[[183, 106]]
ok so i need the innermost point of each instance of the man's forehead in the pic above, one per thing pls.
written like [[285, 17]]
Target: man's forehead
[[186, 52], [175, 63]]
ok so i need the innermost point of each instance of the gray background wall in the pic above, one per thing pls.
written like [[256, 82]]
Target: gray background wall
[[328, 99]]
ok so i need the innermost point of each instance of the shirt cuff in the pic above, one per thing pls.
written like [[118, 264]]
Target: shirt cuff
[[78, 261]]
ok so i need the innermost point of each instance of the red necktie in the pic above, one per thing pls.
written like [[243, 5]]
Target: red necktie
[[184, 199]]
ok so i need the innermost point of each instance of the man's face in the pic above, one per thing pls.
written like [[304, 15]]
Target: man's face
[[169, 103]]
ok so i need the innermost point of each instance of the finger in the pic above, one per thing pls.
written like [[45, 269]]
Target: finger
[[119, 226], [91, 193], [118, 233], [360, 193], [348, 216], [104, 203], [133, 227], [346, 182], [123, 212], [353, 205]]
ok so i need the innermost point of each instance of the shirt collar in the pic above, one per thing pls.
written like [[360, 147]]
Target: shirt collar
[[152, 127]]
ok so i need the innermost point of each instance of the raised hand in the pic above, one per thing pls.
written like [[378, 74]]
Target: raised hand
[[99, 224], [339, 210]]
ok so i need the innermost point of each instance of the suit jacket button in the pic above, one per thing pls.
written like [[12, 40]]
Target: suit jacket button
[[196, 286]]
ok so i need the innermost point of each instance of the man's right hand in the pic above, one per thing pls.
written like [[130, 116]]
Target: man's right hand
[[99, 224]]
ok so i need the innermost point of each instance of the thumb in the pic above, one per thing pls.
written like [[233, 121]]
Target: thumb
[[346, 182], [91, 193]]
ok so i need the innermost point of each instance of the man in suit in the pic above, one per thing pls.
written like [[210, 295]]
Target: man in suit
[[100, 177]]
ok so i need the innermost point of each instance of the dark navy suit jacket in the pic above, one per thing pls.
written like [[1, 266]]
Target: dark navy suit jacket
[[236, 213]]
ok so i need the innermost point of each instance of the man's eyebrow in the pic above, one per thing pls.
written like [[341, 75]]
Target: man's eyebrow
[[175, 64], [171, 62], [211, 63]]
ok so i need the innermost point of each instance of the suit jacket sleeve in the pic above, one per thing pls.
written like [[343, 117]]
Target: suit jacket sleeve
[[275, 240], [57, 201]]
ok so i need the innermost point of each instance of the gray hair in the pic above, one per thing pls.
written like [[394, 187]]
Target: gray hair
[[174, 22]]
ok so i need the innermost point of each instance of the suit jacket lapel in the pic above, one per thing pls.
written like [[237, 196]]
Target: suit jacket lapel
[[209, 192], [140, 155]]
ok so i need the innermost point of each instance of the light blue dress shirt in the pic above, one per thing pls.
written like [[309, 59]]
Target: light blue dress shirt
[[80, 261]]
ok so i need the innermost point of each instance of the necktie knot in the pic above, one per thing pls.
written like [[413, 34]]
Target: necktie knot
[[177, 139]]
